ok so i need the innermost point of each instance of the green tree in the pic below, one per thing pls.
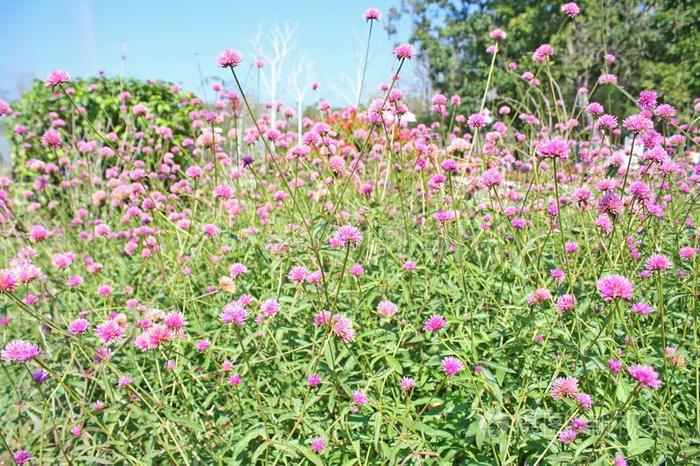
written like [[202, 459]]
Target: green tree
[[656, 43]]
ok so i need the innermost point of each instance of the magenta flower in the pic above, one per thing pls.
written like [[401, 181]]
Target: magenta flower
[[452, 365], [434, 323], [234, 313], [8, 281], [542, 53], [612, 287], [407, 383], [567, 435], [565, 303], [571, 9], [78, 326], [318, 444], [313, 380], [346, 235], [359, 398], [657, 263], [19, 351], [56, 78], [22, 456], [564, 387], [109, 332], [372, 14], [645, 376], [404, 52], [229, 59], [387, 309]]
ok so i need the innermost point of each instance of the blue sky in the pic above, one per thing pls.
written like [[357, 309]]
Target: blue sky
[[167, 39]]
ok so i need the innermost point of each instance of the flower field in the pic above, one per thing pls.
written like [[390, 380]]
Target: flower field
[[184, 282]]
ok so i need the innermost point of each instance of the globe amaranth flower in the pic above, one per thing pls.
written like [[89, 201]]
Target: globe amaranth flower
[[56, 78], [404, 52], [346, 235], [19, 351], [612, 287], [645, 376], [229, 59], [452, 365]]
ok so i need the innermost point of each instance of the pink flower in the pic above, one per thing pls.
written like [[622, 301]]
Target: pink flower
[[687, 253], [607, 79], [555, 148], [657, 263], [567, 435], [372, 14], [434, 323], [234, 313], [543, 53], [614, 365], [229, 59], [638, 123], [584, 401], [270, 307], [571, 9], [359, 398], [452, 365], [313, 380], [645, 375], [19, 351], [237, 269], [498, 34], [404, 52], [346, 235], [491, 178], [22, 456], [298, 274], [56, 78], [564, 387], [386, 309], [8, 281], [235, 379], [51, 139], [565, 303], [612, 287], [318, 444], [203, 345], [407, 383], [109, 332], [78, 326]]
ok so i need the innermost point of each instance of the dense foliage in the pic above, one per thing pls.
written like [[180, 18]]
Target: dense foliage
[[370, 291], [105, 102], [655, 43]]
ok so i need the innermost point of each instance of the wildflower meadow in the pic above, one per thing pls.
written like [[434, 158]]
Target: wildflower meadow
[[514, 282]]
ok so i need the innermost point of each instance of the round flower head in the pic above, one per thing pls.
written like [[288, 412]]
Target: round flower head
[[22, 457], [567, 435], [645, 376], [234, 313], [56, 78], [434, 323], [565, 303], [657, 263], [346, 235], [8, 281], [571, 9], [565, 387], [543, 53], [612, 287], [407, 383], [229, 59], [452, 365], [404, 52], [19, 351], [318, 444], [313, 380], [372, 14], [498, 34], [359, 398], [387, 309]]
